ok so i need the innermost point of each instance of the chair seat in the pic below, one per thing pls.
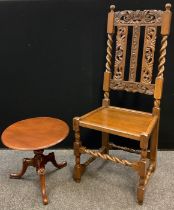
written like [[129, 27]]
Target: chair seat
[[114, 120], [35, 133]]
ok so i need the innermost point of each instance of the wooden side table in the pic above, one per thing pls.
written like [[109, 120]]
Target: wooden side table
[[36, 134]]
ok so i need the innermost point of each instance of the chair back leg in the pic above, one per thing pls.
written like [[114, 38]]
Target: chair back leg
[[105, 142]]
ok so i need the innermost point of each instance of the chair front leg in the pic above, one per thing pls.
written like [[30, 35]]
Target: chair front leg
[[77, 144], [142, 170], [154, 146]]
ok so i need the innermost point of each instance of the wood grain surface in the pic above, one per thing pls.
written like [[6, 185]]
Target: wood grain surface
[[35, 133]]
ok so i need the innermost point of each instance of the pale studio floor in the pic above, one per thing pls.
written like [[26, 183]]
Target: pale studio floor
[[104, 185]]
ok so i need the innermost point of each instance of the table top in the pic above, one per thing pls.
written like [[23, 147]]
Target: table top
[[35, 133]]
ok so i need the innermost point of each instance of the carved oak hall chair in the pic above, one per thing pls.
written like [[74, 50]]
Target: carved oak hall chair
[[132, 124]]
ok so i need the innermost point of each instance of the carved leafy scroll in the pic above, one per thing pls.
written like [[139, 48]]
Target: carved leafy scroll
[[120, 55], [148, 54], [146, 17], [134, 53], [132, 86]]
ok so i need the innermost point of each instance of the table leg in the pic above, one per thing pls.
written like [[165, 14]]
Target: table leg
[[26, 162], [39, 161], [41, 172], [51, 158]]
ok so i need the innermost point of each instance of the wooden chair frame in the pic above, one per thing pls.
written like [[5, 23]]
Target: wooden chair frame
[[122, 19]]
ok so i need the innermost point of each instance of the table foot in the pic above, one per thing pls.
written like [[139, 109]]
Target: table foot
[[26, 162]]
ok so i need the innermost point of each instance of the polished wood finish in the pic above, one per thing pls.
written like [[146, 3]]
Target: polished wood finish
[[166, 20], [107, 77], [158, 88], [132, 124], [39, 161], [110, 25], [36, 134], [118, 121]]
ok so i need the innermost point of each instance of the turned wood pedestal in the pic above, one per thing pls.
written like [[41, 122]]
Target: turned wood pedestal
[[36, 134]]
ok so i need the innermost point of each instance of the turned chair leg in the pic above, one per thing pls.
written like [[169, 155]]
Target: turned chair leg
[[141, 186], [78, 168], [154, 147], [26, 162], [142, 170]]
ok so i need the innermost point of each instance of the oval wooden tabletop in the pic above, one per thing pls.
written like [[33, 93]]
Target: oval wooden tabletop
[[35, 133]]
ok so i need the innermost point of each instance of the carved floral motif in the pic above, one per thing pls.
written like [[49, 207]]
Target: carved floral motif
[[148, 54], [121, 43], [146, 17], [132, 86]]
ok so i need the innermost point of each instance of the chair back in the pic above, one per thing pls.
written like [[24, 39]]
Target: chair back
[[136, 23]]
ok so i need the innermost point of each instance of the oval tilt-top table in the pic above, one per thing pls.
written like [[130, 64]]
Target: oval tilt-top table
[[36, 134]]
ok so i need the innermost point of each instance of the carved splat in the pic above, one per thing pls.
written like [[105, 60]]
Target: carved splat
[[120, 55], [134, 53], [148, 54]]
